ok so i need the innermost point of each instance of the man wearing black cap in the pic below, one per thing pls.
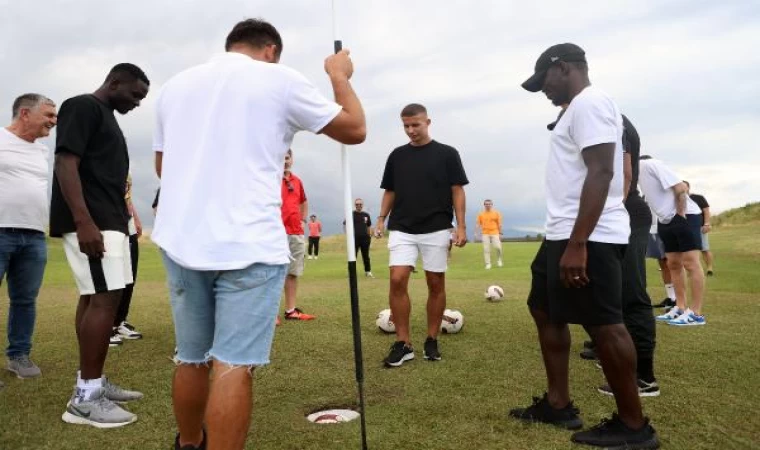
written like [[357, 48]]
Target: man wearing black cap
[[577, 273]]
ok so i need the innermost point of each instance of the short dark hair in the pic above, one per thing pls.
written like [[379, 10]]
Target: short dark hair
[[413, 109], [29, 101], [127, 71], [687, 183], [488, 200], [256, 33]]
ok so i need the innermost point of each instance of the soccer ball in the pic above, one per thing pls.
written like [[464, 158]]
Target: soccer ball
[[452, 321], [494, 293], [385, 321]]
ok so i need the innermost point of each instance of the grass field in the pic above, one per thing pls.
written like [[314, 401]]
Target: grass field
[[710, 376]]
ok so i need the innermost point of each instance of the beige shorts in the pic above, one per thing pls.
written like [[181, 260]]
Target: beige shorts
[[297, 243]]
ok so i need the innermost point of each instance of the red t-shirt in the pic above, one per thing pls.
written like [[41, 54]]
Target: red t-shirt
[[293, 196], [315, 228]]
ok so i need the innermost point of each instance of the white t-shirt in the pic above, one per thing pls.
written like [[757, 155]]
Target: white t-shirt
[[656, 180], [23, 183], [224, 128], [592, 118]]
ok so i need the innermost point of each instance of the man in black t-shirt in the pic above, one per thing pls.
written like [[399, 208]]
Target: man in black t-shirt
[[701, 201], [362, 235], [89, 211], [637, 305], [424, 186]]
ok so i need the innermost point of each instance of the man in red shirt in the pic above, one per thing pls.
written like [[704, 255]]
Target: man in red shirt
[[294, 208]]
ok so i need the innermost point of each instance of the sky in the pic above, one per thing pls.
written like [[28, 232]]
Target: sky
[[684, 72]]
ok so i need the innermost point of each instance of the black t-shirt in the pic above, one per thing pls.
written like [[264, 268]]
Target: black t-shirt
[[361, 222], [421, 179], [87, 128], [701, 202], [638, 210]]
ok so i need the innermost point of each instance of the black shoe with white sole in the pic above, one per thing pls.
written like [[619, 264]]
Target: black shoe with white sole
[[613, 434], [400, 353], [645, 389], [431, 352], [543, 412], [667, 302]]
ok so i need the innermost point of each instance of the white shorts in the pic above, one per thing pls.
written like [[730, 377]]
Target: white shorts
[[433, 247], [94, 276]]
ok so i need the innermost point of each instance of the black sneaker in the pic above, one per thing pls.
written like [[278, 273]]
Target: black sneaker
[[613, 434], [431, 352], [541, 411], [190, 447], [400, 353], [710, 273], [589, 354], [588, 344], [645, 389], [667, 302]]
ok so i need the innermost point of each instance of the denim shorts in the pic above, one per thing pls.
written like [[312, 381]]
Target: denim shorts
[[226, 315]]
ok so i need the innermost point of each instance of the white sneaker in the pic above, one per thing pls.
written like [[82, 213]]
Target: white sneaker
[[369, 275], [670, 315], [309, 257], [127, 331], [488, 267], [316, 257], [115, 339], [499, 263]]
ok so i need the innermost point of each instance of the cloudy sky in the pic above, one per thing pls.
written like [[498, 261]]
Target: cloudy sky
[[684, 71]]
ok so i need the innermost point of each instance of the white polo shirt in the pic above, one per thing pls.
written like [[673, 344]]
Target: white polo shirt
[[23, 183], [656, 181], [224, 128], [592, 118]]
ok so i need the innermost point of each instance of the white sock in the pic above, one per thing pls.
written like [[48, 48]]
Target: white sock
[[288, 311], [670, 291], [85, 388]]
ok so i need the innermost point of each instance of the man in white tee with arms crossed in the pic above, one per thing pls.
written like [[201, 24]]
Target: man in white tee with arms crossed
[[222, 131]]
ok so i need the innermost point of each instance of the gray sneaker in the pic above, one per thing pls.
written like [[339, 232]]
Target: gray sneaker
[[23, 367], [116, 393], [98, 412]]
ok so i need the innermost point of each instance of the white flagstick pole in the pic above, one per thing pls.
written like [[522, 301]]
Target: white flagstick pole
[[351, 254]]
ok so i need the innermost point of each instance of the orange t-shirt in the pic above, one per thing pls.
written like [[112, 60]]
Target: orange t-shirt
[[490, 222], [315, 228]]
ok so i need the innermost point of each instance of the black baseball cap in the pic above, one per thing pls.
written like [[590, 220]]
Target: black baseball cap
[[561, 52]]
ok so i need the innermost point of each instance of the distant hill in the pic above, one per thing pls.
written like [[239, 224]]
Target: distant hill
[[747, 214]]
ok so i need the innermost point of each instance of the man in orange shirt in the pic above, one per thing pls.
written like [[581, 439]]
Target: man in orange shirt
[[294, 209], [489, 223], [315, 232]]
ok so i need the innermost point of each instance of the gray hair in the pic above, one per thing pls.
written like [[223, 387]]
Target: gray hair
[[29, 101]]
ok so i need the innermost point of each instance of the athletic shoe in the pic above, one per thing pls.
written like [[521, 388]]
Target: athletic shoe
[[190, 447], [710, 273], [541, 411], [127, 331], [309, 257], [670, 315], [687, 319], [589, 354], [588, 344], [23, 367], [400, 353], [645, 389], [369, 275], [431, 352], [98, 412], [499, 263], [667, 302], [488, 266], [297, 314], [613, 434], [316, 257], [115, 338], [116, 393]]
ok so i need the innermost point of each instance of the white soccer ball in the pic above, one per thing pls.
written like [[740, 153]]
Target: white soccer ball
[[452, 321], [385, 321], [494, 293]]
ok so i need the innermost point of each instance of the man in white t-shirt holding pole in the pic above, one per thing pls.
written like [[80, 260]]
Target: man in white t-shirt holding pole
[[24, 190], [222, 131], [679, 227], [577, 273]]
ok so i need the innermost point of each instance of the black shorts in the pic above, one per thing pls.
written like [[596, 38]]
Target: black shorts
[[681, 235], [598, 303]]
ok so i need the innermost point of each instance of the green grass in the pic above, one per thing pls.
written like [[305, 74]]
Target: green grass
[[747, 214], [710, 375]]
